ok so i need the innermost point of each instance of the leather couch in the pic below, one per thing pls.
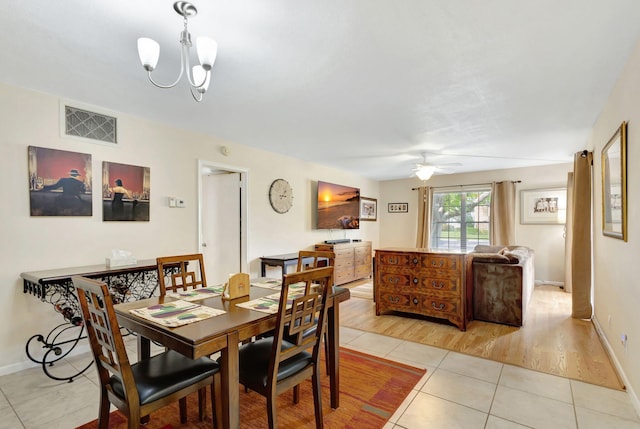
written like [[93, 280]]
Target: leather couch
[[500, 282]]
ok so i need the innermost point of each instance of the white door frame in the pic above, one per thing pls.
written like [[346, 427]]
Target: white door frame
[[204, 165]]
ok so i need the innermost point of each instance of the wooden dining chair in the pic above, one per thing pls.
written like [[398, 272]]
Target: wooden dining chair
[[181, 273], [320, 257], [140, 388], [273, 365]]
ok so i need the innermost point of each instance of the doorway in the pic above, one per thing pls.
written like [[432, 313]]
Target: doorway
[[222, 218]]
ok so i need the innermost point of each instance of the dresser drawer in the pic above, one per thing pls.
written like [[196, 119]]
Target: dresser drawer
[[443, 284], [363, 271], [446, 262], [439, 306], [396, 259], [397, 301]]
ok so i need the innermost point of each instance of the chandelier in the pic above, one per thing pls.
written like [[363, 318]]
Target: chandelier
[[200, 75]]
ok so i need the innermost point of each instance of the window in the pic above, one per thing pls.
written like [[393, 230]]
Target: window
[[460, 219]]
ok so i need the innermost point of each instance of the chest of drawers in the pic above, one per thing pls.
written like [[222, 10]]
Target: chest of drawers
[[353, 260], [421, 282]]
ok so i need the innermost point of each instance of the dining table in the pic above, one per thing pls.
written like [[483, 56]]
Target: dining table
[[224, 333]]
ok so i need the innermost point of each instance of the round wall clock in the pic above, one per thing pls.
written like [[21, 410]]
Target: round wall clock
[[280, 195]]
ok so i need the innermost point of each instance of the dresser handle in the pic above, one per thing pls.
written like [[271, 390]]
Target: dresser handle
[[437, 285], [393, 260], [439, 307], [415, 301], [415, 280], [394, 299], [415, 260], [393, 280]]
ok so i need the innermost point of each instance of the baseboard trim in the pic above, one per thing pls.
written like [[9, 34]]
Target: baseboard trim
[[616, 363]]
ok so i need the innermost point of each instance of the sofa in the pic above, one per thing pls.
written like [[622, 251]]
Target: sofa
[[500, 282]]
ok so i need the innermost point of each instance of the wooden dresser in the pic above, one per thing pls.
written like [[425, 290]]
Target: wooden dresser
[[353, 260], [421, 282]]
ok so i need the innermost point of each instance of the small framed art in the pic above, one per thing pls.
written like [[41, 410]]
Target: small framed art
[[398, 207], [368, 209], [543, 206]]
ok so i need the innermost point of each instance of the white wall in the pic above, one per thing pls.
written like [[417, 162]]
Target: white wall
[[39, 243], [616, 284], [399, 229]]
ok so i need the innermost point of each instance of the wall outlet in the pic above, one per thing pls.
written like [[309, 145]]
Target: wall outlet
[[180, 203], [623, 340]]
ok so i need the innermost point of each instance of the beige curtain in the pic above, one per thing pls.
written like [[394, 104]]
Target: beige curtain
[[425, 200], [581, 236], [503, 213], [568, 234]]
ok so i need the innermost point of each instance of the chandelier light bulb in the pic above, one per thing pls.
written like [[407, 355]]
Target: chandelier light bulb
[[207, 49], [149, 53]]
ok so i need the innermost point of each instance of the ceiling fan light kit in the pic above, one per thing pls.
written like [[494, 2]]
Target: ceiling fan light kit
[[199, 76], [425, 172]]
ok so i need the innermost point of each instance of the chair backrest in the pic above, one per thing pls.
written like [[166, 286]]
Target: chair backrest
[[180, 273], [296, 318], [104, 335], [319, 257]]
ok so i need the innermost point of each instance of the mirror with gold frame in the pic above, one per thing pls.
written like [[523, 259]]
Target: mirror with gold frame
[[614, 185]]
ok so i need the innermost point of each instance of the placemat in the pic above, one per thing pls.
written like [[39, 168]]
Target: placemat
[[176, 313], [197, 294], [270, 303]]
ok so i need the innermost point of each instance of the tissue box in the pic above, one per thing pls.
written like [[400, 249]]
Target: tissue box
[[120, 262]]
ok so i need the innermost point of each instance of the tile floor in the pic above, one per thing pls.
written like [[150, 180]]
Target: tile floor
[[458, 391]]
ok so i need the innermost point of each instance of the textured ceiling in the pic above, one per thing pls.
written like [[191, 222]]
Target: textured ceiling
[[367, 86]]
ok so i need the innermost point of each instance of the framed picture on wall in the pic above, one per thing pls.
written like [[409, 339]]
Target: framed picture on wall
[[398, 208], [543, 206], [59, 182], [368, 209], [125, 192]]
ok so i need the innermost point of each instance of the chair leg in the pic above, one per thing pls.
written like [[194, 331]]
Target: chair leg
[[271, 411], [326, 353], [216, 403], [296, 393], [317, 398], [133, 418], [202, 403], [182, 404], [103, 414]]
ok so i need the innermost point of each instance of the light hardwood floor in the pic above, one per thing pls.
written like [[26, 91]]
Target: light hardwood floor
[[551, 340]]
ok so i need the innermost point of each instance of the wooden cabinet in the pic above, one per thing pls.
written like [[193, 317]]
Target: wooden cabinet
[[353, 260], [421, 282]]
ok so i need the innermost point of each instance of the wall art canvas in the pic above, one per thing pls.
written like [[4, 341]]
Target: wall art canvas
[[125, 192], [59, 182]]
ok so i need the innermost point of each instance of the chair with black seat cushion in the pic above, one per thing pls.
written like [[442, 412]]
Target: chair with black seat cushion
[[143, 387], [320, 258], [272, 365], [181, 273]]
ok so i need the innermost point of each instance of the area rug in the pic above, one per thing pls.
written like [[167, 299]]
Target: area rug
[[371, 389], [362, 291]]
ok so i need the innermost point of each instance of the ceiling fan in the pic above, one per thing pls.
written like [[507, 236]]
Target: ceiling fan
[[425, 170]]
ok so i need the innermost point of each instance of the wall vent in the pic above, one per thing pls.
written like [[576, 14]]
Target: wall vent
[[90, 125]]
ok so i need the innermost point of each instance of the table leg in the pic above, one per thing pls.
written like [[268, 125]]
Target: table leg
[[333, 327], [263, 269], [230, 383]]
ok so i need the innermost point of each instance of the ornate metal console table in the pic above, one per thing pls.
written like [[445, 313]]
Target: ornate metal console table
[[126, 283]]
